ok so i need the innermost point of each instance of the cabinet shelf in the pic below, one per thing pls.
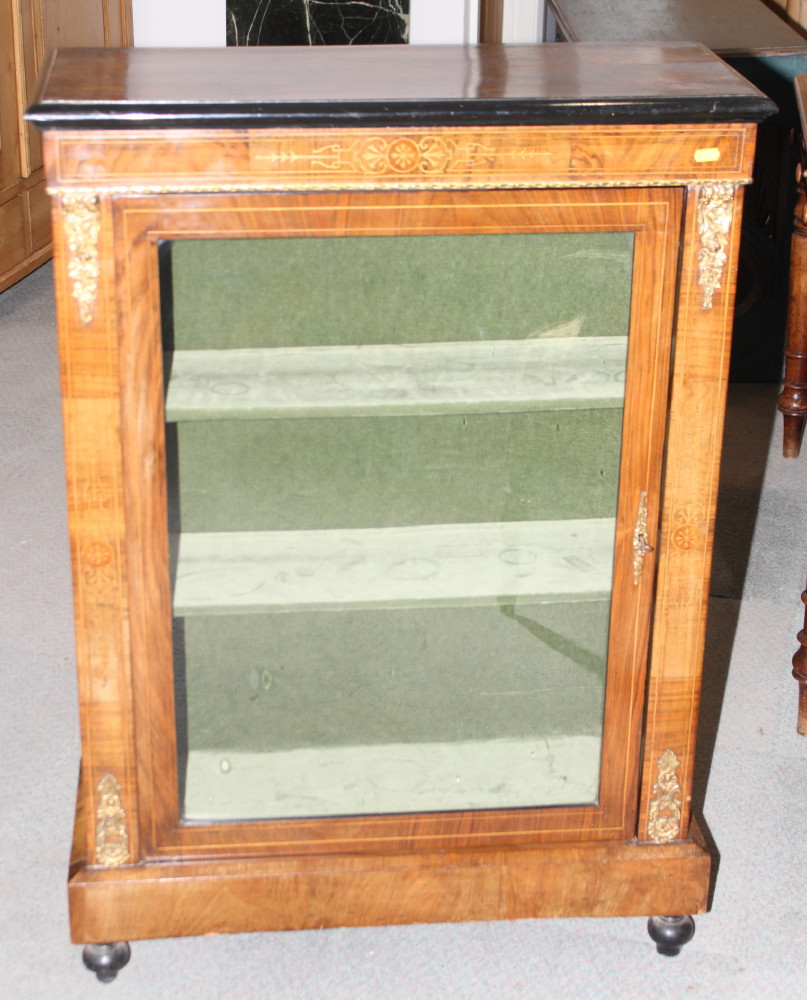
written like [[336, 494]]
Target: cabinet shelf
[[445, 564], [329, 781], [395, 379]]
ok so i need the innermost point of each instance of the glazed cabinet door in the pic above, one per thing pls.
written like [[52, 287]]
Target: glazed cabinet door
[[390, 469], [392, 464]]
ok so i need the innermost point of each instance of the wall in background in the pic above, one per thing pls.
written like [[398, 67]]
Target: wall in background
[[184, 23]]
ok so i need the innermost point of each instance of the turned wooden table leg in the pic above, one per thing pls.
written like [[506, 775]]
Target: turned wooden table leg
[[793, 399], [800, 672]]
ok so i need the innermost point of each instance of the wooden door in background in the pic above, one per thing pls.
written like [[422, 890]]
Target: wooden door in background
[[29, 30]]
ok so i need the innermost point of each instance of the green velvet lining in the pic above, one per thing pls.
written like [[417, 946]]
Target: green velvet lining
[[357, 472], [348, 678], [398, 289], [270, 683]]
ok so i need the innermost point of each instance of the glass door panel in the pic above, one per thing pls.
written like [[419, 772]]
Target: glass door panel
[[393, 472]]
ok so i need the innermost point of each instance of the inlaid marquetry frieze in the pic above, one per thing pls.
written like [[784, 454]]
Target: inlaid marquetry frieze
[[417, 154], [366, 158]]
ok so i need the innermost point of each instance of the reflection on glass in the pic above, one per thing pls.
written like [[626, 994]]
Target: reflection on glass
[[393, 467]]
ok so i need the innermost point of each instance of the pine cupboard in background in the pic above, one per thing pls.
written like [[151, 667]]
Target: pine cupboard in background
[[29, 29]]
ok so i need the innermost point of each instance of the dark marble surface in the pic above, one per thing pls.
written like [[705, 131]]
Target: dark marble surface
[[317, 22]]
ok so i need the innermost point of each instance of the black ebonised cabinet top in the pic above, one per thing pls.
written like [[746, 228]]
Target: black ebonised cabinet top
[[394, 85]]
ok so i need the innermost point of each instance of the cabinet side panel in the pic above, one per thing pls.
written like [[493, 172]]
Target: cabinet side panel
[[88, 356], [706, 300]]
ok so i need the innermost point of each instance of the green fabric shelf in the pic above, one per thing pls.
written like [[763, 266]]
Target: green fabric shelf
[[487, 774], [445, 564], [555, 373]]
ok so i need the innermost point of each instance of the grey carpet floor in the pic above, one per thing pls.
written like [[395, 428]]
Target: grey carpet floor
[[751, 785]]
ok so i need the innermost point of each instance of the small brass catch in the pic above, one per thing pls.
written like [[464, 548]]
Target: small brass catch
[[641, 545]]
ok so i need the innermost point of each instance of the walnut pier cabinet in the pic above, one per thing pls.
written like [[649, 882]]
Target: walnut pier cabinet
[[393, 394]]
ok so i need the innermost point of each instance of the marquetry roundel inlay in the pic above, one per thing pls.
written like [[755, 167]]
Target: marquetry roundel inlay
[[403, 155], [97, 554], [687, 537]]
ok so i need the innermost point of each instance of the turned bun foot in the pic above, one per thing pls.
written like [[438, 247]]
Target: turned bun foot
[[670, 933], [106, 960]]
